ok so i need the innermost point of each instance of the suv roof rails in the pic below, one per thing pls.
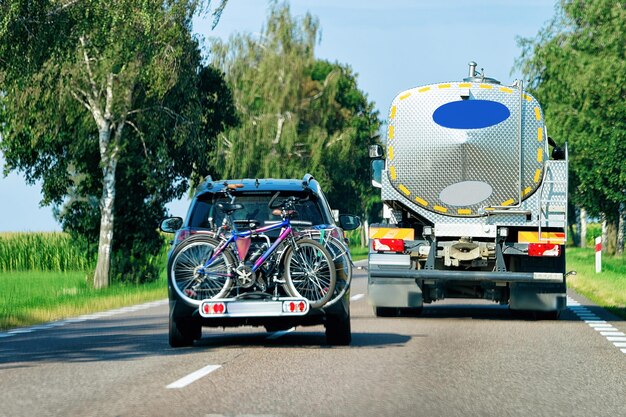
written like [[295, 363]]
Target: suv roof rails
[[306, 180]]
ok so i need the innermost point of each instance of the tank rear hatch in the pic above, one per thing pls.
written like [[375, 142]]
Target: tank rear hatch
[[462, 148]]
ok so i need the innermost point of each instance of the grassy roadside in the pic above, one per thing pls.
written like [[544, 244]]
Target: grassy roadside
[[32, 297], [608, 288]]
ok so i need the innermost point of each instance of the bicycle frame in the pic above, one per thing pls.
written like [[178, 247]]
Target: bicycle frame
[[235, 235]]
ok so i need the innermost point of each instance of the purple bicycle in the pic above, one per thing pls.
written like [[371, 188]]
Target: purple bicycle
[[212, 267]]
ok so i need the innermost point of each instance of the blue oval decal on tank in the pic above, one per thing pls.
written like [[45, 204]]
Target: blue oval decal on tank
[[471, 114]]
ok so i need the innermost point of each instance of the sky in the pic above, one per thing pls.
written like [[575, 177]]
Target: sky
[[392, 45]]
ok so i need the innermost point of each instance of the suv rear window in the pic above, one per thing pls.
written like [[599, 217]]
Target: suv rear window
[[207, 215]]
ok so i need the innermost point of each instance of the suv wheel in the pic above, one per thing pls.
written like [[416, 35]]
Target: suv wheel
[[338, 331], [183, 333]]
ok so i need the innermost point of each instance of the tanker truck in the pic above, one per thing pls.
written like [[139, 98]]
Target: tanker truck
[[474, 198]]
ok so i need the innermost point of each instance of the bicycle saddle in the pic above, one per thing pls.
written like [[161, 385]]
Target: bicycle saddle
[[229, 208]]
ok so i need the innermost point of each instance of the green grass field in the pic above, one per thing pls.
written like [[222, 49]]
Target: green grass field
[[608, 288], [31, 297]]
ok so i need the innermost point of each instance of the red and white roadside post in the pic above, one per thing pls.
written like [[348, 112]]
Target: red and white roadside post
[[598, 254]]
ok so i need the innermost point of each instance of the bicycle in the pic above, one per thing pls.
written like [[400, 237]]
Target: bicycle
[[205, 267]]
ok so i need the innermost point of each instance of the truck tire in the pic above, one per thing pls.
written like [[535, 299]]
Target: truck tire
[[338, 330], [183, 333]]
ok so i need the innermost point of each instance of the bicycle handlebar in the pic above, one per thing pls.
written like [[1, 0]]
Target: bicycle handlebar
[[288, 202]]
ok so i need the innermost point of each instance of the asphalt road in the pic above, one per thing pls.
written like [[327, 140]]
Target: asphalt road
[[457, 359]]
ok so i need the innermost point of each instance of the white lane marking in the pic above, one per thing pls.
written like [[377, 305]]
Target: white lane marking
[[616, 339], [610, 332], [192, 377], [79, 319], [357, 297], [278, 334], [20, 331], [606, 329]]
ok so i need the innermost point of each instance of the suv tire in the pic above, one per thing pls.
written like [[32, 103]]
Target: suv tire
[[338, 330], [182, 333]]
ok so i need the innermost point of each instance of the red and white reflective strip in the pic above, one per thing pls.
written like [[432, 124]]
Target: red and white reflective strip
[[213, 308], [544, 249], [388, 245], [598, 254]]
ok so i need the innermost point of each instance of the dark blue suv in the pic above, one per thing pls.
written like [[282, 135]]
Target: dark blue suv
[[264, 298]]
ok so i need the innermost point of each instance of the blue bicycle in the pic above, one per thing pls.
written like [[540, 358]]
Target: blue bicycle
[[214, 266]]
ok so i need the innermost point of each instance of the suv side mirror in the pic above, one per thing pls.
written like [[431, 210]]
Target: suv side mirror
[[349, 222], [171, 224]]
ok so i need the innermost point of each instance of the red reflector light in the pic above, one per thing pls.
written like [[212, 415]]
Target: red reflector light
[[213, 308], [295, 306], [544, 249], [390, 245]]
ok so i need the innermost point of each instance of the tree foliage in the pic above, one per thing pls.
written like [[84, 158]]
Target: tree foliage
[[110, 105], [298, 114], [577, 68]]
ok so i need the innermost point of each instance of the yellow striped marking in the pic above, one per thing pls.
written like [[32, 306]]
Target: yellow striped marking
[[391, 132], [540, 134], [391, 233], [528, 98], [405, 95], [422, 90], [393, 112], [445, 85], [506, 90], [464, 211], [537, 113], [539, 155], [486, 87], [537, 175], [526, 191], [421, 201], [441, 209], [465, 85], [390, 153], [404, 189], [392, 172], [489, 209], [533, 237], [508, 202]]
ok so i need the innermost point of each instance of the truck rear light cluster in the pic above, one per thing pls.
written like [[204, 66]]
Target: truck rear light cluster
[[297, 306], [388, 245], [544, 249], [213, 308]]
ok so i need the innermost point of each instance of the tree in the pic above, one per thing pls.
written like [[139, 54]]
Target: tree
[[102, 97], [577, 68], [298, 113]]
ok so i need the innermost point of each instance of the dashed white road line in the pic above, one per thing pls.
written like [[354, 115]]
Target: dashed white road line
[[86, 317], [192, 377], [605, 329], [357, 297]]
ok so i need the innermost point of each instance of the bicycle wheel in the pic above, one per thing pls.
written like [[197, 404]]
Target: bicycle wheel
[[191, 279], [310, 272], [343, 267]]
